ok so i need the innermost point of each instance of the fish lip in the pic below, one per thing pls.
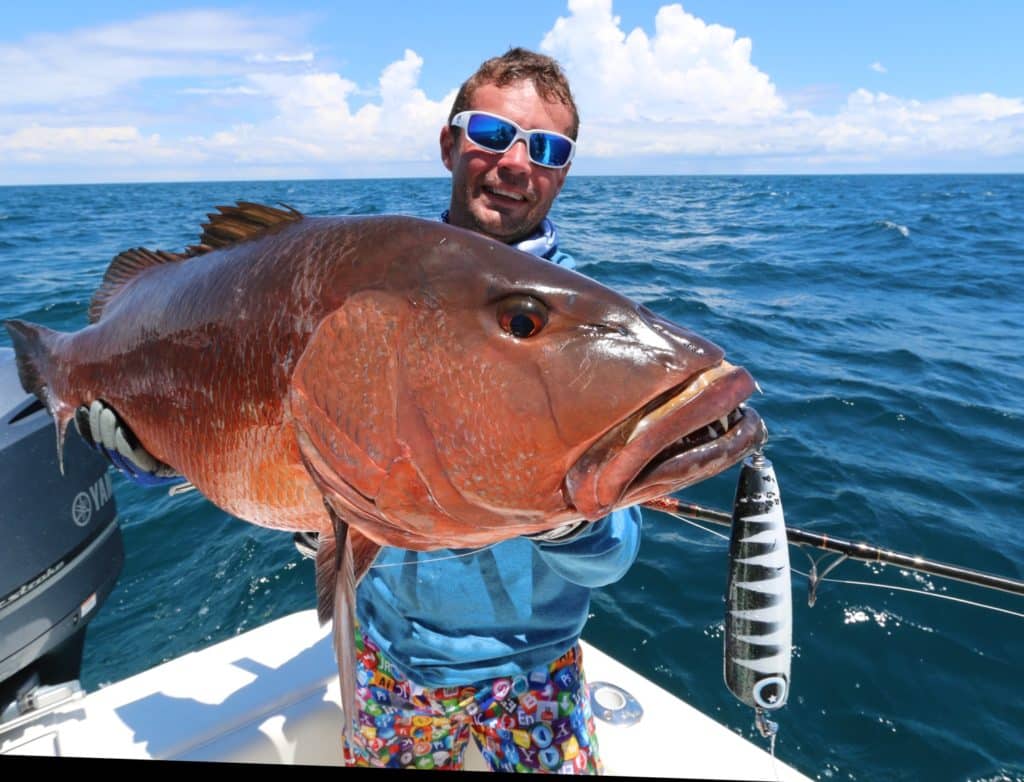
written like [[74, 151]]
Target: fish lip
[[643, 450], [675, 472]]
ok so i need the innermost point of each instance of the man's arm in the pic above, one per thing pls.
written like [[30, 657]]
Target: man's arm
[[598, 553]]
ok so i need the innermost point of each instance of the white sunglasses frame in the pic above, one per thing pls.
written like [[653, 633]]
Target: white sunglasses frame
[[461, 120]]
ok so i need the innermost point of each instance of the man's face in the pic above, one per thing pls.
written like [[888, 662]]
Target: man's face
[[504, 195]]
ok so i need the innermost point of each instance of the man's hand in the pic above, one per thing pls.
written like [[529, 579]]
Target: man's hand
[[559, 534], [105, 432]]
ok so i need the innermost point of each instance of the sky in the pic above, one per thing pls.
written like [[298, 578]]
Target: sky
[[165, 91]]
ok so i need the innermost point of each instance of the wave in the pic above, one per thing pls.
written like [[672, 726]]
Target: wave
[[901, 229]]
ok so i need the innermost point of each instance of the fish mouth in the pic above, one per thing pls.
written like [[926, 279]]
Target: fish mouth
[[686, 434]]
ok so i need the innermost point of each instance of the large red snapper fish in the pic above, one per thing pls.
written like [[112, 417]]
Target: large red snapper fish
[[389, 381]]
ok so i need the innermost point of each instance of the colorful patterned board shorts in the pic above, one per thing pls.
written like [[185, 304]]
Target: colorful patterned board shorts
[[539, 722]]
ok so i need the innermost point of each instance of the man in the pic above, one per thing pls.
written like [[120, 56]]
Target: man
[[485, 643]]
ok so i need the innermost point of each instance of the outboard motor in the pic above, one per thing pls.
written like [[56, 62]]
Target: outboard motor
[[60, 548]]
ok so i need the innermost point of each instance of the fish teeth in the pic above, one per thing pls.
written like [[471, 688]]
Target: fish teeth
[[717, 428], [686, 395]]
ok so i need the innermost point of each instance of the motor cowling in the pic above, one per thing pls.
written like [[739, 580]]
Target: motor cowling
[[61, 551]]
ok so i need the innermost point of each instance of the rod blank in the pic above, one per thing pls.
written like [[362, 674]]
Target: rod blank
[[861, 551]]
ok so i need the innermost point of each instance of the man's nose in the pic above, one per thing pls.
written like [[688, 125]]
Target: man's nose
[[516, 158]]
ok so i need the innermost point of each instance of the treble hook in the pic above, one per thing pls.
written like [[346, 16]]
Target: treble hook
[[813, 578], [766, 727]]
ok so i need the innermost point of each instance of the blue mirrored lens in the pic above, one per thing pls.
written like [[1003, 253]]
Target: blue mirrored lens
[[549, 150], [490, 132]]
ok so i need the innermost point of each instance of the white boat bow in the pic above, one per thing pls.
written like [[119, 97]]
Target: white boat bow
[[271, 695]]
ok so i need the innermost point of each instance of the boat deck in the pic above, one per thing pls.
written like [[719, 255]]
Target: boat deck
[[271, 696]]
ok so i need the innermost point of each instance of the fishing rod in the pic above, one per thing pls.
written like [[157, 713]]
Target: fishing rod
[[849, 549]]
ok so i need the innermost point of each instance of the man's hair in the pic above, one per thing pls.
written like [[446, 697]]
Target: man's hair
[[515, 65]]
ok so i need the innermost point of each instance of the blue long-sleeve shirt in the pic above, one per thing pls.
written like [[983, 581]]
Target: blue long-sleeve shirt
[[454, 617]]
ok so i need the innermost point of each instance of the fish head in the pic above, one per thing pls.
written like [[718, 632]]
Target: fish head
[[489, 393]]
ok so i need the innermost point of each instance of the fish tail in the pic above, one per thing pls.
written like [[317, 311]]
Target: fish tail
[[34, 350], [343, 556]]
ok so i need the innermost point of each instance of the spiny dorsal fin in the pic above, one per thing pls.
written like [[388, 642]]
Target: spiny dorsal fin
[[238, 223], [122, 269], [233, 224]]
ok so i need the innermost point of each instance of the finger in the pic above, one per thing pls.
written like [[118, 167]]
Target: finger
[[108, 427], [560, 534], [139, 456], [94, 420], [82, 425]]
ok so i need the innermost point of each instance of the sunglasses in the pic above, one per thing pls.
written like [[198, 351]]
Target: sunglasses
[[497, 134]]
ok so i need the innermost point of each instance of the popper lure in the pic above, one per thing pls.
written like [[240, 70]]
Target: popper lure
[[759, 604]]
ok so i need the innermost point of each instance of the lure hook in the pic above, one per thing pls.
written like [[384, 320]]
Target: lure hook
[[766, 727], [814, 578]]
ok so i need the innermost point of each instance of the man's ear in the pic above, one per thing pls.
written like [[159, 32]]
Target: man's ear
[[447, 147]]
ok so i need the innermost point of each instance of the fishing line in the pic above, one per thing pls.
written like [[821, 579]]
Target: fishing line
[[918, 592], [854, 550], [469, 553], [813, 578], [775, 764], [693, 523]]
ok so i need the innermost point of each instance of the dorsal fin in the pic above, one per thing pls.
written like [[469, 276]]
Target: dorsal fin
[[233, 224], [123, 268], [237, 223]]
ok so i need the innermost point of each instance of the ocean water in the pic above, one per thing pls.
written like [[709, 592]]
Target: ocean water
[[883, 317]]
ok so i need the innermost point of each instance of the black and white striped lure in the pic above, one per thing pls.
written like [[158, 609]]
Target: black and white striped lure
[[759, 603]]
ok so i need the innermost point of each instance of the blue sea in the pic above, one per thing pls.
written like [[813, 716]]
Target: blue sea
[[883, 317]]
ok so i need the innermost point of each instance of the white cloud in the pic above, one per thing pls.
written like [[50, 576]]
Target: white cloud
[[314, 117], [282, 111], [688, 70], [877, 67], [237, 90], [212, 32], [301, 57], [691, 90], [880, 124], [54, 145], [91, 63], [227, 94]]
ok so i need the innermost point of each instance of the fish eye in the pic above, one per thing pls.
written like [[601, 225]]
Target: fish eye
[[522, 316]]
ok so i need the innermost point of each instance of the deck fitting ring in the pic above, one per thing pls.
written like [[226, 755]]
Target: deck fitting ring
[[610, 703]]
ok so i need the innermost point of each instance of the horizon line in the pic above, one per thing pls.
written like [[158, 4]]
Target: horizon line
[[448, 176]]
